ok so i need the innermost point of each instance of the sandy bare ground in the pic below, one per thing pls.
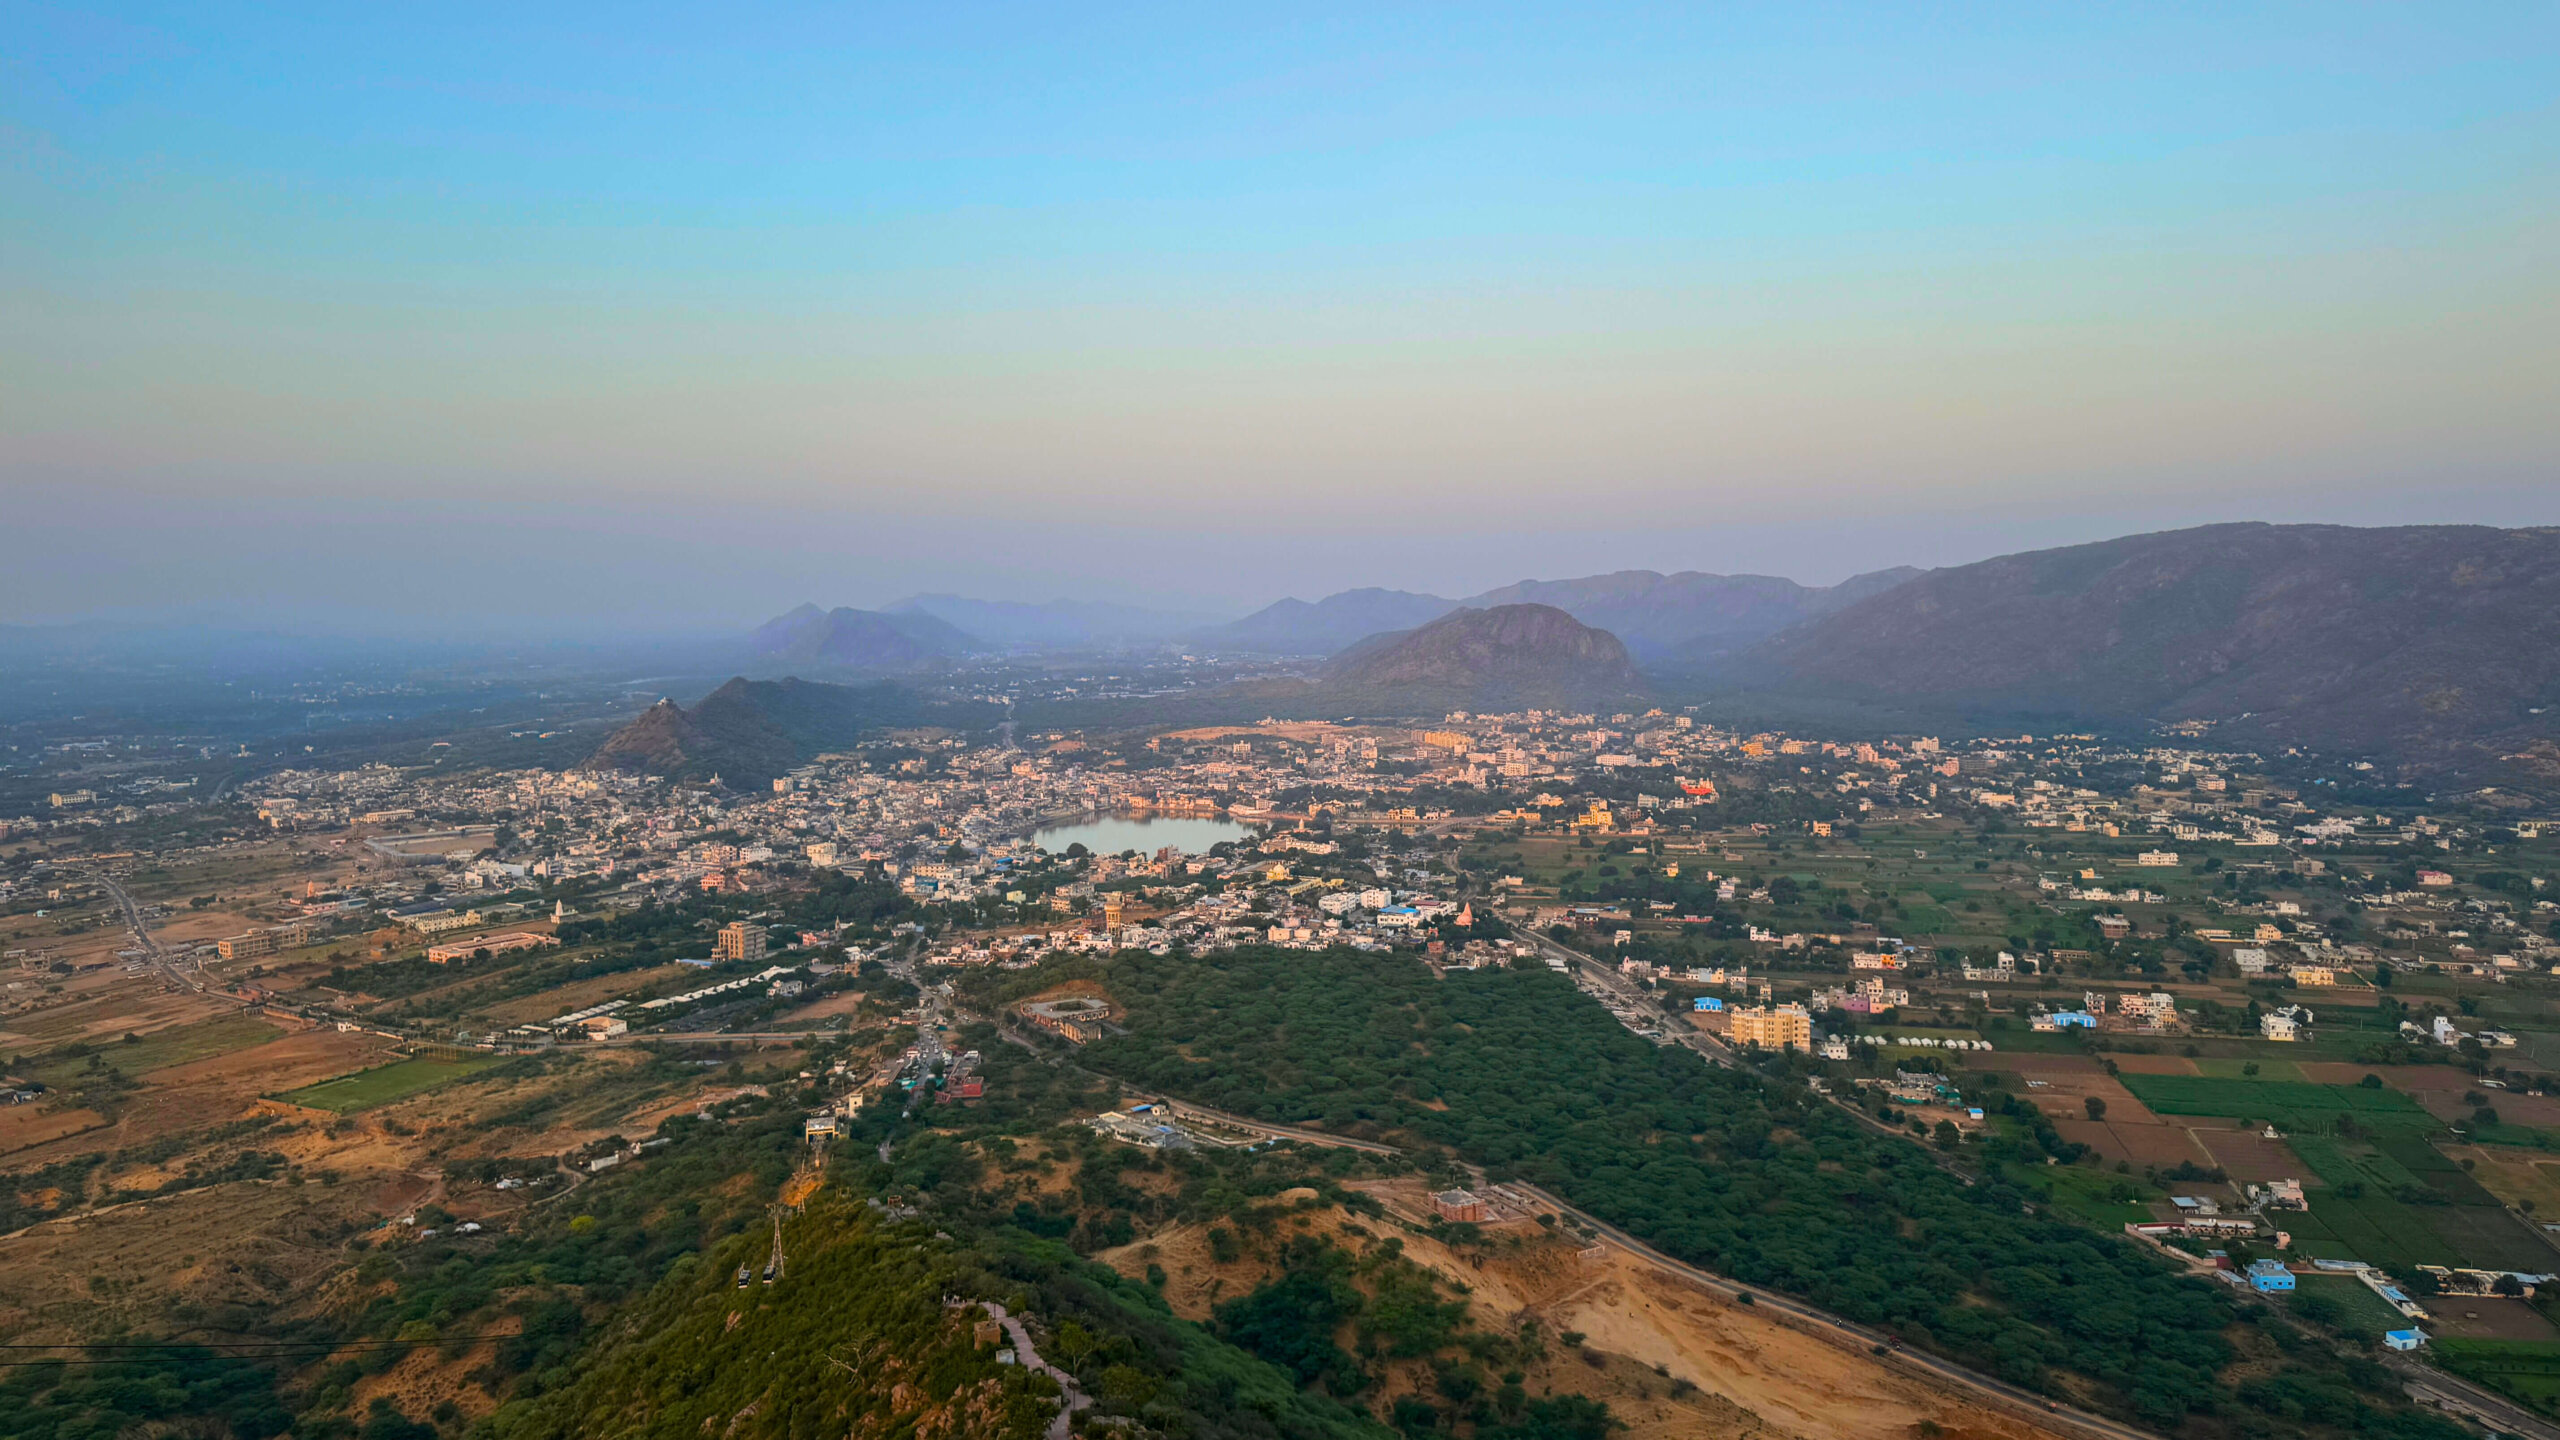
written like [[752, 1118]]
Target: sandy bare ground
[[1643, 1331], [207, 1092]]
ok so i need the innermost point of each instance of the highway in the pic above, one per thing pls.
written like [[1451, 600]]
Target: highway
[[168, 967], [2449, 1392]]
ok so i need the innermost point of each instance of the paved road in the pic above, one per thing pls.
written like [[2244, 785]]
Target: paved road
[[705, 1037], [1999, 1394], [2449, 1392], [167, 965], [1718, 1053], [1183, 1108], [1071, 1396]]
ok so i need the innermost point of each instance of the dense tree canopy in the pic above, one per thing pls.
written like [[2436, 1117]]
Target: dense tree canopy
[[1748, 1175]]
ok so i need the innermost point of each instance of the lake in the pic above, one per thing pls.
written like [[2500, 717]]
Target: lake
[[1109, 835]]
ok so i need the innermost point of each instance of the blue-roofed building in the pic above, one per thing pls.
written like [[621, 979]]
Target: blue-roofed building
[[2269, 1277], [1708, 1002], [2404, 1339]]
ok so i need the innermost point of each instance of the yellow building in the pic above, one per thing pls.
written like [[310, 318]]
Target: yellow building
[[249, 946], [741, 941], [1771, 1028]]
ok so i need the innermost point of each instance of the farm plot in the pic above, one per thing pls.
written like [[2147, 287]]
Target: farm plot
[[2288, 1104], [383, 1084], [2399, 1203], [2527, 1371], [2358, 1311], [176, 1045]]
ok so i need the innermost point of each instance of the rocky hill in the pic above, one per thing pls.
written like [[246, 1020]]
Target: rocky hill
[[1507, 657], [749, 731], [1692, 613], [858, 639], [2405, 641]]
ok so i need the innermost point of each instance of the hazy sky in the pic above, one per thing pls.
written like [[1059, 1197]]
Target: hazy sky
[[585, 314]]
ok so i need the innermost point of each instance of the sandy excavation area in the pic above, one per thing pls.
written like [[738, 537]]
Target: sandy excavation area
[[1643, 1330]]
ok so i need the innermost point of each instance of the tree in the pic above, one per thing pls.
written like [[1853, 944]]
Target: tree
[[2096, 1107]]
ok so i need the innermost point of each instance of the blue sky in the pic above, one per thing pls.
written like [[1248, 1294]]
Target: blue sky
[[989, 299]]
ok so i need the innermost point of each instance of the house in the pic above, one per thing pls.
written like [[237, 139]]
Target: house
[[2114, 927], [2157, 1008], [2279, 1195], [2285, 1024], [2404, 1339], [817, 1126], [2269, 1277]]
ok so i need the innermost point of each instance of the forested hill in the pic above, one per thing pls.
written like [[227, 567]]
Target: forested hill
[[854, 1340], [1746, 1174]]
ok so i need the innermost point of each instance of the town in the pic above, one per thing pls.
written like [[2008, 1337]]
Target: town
[[2198, 998]]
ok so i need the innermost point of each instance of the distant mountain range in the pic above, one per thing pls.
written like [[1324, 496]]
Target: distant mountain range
[[1056, 624], [1323, 627], [2416, 642], [749, 731], [858, 639], [1690, 613], [2383, 640]]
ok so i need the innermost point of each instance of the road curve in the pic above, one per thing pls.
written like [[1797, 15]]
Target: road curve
[[2000, 1394]]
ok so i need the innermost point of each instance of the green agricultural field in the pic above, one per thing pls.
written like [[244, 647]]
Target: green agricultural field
[[2359, 1311], [2399, 1202], [2229, 1068], [176, 1045], [2523, 1370], [2292, 1105], [383, 1084], [2491, 1238], [2093, 1197], [2521, 1137]]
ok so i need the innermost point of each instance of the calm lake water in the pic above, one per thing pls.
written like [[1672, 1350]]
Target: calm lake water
[[1110, 835]]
